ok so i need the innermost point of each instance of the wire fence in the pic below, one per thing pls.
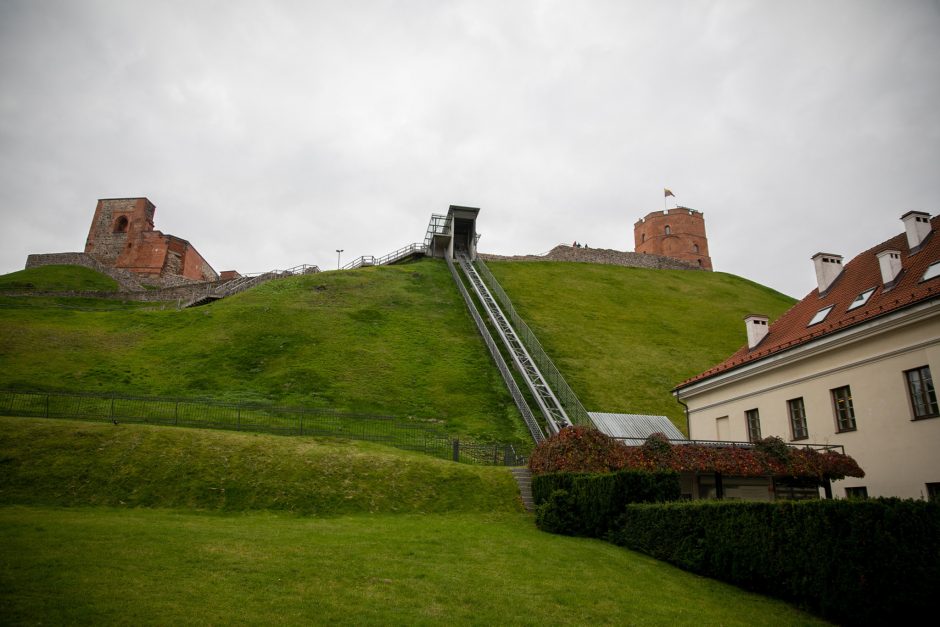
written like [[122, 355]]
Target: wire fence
[[253, 417], [564, 393]]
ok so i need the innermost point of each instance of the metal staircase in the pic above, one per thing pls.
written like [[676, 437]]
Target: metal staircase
[[216, 291], [411, 250], [555, 415]]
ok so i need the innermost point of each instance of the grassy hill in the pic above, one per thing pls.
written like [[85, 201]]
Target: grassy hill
[[104, 524], [58, 279], [65, 463], [392, 340], [624, 337]]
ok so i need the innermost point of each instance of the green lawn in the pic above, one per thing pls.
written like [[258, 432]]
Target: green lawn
[[136, 566], [69, 463], [624, 337], [393, 340], [103, 523], [58, 278]]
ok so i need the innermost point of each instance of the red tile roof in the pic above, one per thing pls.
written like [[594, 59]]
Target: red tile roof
[[859, 275]]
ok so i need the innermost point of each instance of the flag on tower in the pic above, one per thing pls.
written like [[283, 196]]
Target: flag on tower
[[668, 193]]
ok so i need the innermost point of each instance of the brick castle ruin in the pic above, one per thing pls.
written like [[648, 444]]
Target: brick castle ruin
[[123, 243], [677, 233]]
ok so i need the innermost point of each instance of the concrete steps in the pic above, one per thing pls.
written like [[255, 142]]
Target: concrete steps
[[523, 477]]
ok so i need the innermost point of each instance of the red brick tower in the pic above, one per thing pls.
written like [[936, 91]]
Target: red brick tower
[[678, 233]]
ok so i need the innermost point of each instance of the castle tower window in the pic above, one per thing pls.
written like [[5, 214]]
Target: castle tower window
[[643, 237], [695, 248], [120, 226], [668, 230]]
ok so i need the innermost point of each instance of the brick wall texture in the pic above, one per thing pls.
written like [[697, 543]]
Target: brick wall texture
[[122, 236], [678, 233]]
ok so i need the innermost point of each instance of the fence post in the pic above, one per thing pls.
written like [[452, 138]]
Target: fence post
[[111, 410], [176, 413], [238, 417], [456, 444], [301, 423], [47, 405]]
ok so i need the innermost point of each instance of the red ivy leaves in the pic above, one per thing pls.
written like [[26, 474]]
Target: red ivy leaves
[[584, 449]]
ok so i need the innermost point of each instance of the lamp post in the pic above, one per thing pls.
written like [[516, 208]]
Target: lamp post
[[339, 253]]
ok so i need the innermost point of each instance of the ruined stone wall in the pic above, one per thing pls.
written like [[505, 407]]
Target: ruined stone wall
[[122, 236], [116, 227], [126, 280], [194, 266], [564, 252], [181, 293], [678, 233]]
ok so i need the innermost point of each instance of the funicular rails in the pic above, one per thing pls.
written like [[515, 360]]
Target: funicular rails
[[555, 414], [569, 400], [524, 409]]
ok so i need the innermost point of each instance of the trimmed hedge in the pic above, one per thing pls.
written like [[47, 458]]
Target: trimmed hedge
[[852, 561], [585, 504]]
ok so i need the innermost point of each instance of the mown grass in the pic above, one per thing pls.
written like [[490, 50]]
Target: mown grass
[[66, 463], [107, 566], [624, 337], [130, 524], [58, 278], [390, 340]]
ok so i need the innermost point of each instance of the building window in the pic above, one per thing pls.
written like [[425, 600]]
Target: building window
[[820, 315], [861, 299], [797, 419], [695, 248], [845, 411], [668, 230], [120, 226], [856, 493], [933, 492], [923, 396], [642, 237], [933, 271], [752, 417]]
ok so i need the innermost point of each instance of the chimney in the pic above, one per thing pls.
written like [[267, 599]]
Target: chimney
[[828, 269], [756, 329], [890, 262], [917, 225]]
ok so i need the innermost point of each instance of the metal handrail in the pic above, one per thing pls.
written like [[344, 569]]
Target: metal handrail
[[573, 407], [215, 291], [384, 260], [534, 429], [630, 441]]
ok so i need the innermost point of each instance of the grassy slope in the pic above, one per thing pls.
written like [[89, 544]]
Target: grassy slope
[[624, 337], [64, 463], [370, 556], [58, 278], [394, 340]]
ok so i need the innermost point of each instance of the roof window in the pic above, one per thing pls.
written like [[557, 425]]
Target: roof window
[[932, 271], [861, 299], [820, 315]]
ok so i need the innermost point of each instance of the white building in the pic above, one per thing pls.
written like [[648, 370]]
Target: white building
[[850, 364]]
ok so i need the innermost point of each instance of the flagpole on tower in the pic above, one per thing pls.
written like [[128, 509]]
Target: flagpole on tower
[[666, 194]]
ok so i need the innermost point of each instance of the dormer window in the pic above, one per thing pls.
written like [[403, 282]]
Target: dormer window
[[861, 299], [820, 315], [933, 271]]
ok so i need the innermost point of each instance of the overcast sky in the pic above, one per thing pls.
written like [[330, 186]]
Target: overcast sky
[[270, 133]]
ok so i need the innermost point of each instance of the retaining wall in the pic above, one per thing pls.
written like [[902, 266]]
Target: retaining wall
[[564, 252]]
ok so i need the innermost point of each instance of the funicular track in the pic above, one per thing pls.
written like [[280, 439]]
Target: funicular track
[[552, 409]]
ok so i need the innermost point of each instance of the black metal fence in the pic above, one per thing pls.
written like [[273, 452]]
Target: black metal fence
[[253, 417]]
